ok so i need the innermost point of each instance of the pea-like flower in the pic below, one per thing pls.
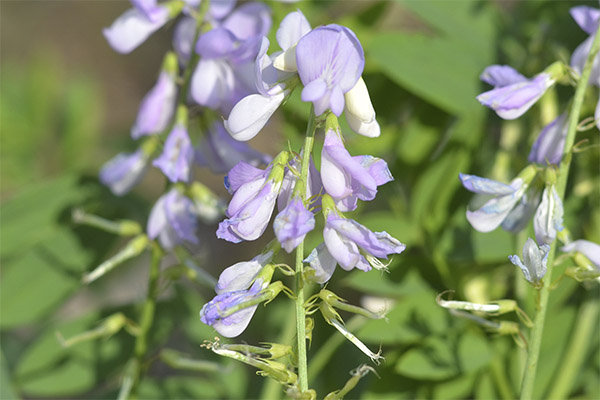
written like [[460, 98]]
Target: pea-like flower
[[250, 209], [225, 72], [253, 112], [351, 245], [330, 61], [292, 224], [548, 218], [177, 157], [549, 145], [158, 106], [513, 94], [503, 201], [587, 18], [124, 171], [347, 178], [134, 26], [173, 220], [534, 261], [239, 276]]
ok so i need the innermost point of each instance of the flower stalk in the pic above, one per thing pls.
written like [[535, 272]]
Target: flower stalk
[[300, 296], [538, 328]]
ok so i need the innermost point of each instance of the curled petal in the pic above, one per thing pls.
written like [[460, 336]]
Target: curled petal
[[534, 261], [586, 17], [252, 113], [480, 185], [514, 100], [359, 111], [322, 262], [494, 211], [212, 83], [501, 75], [579, 57], [177, 156], [547, 221], [292, 224], [249, 20], [292, 28], [133, 28]]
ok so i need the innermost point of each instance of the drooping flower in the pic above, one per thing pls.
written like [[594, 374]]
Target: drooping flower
[[589, 249], [234, 324], [176, 159], [548, 218], [587, 18], [252, 113], [513, 94], [225, 72], [134, 26], [351, 245], [548, 147], [330, 61], [292, 224], [220, 152], [124, 171], [158, 106], [534, 261], [172, 220], [503, 199], [239, 276], [347, 178], [240, 289], [255, 192]]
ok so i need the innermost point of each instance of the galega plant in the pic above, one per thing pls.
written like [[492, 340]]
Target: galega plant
[[217, 89], [538, 190]]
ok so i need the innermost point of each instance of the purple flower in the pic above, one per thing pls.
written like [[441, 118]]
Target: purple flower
[[548, 218], [330, 61], [135, 26], [124, 171], [589, 249], [240, 276], [292, 224], [220, 152], [234, 324], [252, 112], [172, 220], [157, 107], [534, 261], [177, 156], [250, 209], [518, 218], [347, 178], [587, 18], [503, 201], [183, 38], [513, 94], [351, 245], [225, 73], [548, 147]]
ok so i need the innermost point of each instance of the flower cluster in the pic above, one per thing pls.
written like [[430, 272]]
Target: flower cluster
[[217, 59], [327, 62], [512, 205]]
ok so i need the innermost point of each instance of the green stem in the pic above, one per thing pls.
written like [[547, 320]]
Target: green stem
[[535, 339], [141, 341], [570, 367], [300, 312]]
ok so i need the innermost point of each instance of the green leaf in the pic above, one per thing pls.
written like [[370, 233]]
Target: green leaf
[[474, 352], [435, 187], [434, 361], [181, 387], [6, 387]]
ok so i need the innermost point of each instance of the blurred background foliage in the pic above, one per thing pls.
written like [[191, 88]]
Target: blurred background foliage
[[67, 104]]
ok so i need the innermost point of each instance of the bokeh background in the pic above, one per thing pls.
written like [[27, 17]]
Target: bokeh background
[[68, 102]]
